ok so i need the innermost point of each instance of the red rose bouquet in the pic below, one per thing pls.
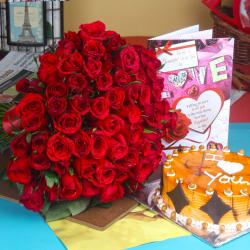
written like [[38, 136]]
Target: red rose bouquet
[[90, 126]]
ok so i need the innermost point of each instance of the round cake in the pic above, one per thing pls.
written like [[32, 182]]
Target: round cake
[[207, 189]]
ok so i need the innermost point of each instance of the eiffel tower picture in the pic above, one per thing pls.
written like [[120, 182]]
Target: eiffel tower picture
[[26, 35]]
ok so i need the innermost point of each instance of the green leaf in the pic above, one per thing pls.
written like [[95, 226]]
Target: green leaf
[[172, 110], [35, 60], [28, 138], [57, 211], [71, 171], [42, 85], [3, 176], [19, 187], [148, 131], [94, 202], [135, 82], [121, 47], [46, 207], [162, 65], [51, 178], [78, 206], [65, 209], [105, 205], [163, 121]]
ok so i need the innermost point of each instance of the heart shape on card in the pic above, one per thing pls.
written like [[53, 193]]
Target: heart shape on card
[[203, 110], [178, 80], [230, 167]]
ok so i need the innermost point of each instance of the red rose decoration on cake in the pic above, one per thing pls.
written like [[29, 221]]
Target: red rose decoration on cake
[[91, 125]]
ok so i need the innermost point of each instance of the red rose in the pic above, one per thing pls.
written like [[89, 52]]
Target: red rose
[[31, 103], [36, 86], [158, 114], [70, 188], [40, 162], [111, 125], [134, 114], [122, 174], [39, 142], [118, 147], [32, 199], [22, 86], [61, 167], [65, 48], [56, 105], [141, 76], [59, 148], [104, 81], [132, 158], [58, 89], [73, 37], [93, 48], [52, 193], [68, 123], [31, 110], [89, 189], [11, 121], [71, 64], [116, 97], [100, 107], [47, 71], [178, 127], [143, 171], [19, 171], [99, 146], [149, 149], [148, 58], [112, 192], [95, 30], [82, 144], [93, 67], [85, 168], [130, 60], [105, 174], [157, 88], [69, 44], [113, 41], [107, 63], [19, 146], [121, 77], [135, 134], [134, 92], [76, 83], [80, 104], [145, 95], [33, 122]]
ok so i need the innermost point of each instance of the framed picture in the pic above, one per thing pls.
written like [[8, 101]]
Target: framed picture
[[26, 23]]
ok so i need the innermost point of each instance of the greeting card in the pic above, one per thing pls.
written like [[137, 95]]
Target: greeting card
[[197, 73]]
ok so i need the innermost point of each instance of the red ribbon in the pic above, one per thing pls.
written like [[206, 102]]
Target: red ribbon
[[167, 49]]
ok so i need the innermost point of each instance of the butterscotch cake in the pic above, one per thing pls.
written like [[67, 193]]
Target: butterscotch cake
[[207, 189]]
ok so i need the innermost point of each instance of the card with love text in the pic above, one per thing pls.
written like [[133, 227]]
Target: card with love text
[[197, 73]]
